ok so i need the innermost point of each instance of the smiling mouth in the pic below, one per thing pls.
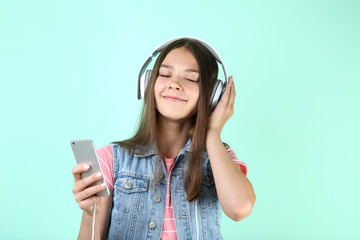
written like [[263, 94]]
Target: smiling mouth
[[174, 99]]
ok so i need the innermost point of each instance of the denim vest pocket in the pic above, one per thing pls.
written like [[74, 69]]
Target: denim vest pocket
[[130, 194]]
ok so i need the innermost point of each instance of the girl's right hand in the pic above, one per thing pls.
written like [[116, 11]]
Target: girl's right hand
[[84, 194]]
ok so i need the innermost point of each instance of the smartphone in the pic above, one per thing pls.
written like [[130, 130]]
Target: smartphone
[[84, 152]]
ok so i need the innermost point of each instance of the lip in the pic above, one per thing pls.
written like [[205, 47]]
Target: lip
[[173, 98]]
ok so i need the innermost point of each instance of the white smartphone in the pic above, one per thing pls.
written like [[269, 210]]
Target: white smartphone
[[84, 152]]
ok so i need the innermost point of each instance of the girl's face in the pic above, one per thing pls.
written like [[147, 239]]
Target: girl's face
[[177, 85]]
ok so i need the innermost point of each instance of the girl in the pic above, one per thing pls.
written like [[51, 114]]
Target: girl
[[174, 176]]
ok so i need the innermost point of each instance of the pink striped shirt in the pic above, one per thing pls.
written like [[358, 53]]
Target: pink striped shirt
[[105, 155], [169, 229]]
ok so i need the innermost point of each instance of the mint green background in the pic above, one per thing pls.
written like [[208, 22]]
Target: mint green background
[[68, 71]]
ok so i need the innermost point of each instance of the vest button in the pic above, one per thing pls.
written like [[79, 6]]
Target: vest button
[[152, 225], [128, 185], [156, 198], [160, 175]]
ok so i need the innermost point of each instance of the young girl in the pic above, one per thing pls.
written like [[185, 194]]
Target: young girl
[[173, 178]]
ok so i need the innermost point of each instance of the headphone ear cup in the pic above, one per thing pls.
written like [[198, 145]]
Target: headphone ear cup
[[216, 91], [144, 81]]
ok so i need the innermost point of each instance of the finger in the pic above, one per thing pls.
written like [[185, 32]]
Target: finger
[[84, 183], [88, 192], [229, 89], [88, 204], [78, 169], [226, 95], [233, 93]]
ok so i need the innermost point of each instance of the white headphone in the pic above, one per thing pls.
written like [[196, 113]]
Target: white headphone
[[218, 87]]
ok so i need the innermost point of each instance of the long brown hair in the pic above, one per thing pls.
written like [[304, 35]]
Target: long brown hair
[[146, 134]]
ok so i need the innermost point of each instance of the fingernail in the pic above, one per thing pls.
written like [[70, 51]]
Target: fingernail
[[98, 174], [86, 166], [103, 185]]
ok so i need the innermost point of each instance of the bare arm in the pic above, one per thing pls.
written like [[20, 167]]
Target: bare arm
[[234, 190], [102, 220], [84, 195]]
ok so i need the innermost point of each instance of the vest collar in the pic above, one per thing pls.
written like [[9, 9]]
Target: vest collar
[[146, 151]]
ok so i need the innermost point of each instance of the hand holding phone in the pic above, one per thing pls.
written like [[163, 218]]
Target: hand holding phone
[[87, 180]]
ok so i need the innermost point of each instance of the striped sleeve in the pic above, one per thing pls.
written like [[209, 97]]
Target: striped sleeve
[[105, 155], [242, 165]]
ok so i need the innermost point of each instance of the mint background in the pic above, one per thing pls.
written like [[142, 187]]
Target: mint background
[[68, 70]]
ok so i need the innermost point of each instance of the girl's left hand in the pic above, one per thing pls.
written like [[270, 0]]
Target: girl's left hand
[[224, 109]]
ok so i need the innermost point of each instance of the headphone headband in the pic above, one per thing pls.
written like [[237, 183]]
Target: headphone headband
[[164, 45], [205, 44]]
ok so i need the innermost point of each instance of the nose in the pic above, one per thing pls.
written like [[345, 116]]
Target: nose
[[174, 85]]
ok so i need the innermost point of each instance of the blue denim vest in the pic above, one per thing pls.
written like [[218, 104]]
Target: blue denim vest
[[139, 201]]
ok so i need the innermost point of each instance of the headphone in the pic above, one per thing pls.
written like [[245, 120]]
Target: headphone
[[218, 87]]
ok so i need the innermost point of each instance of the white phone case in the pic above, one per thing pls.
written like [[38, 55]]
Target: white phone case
[[84, 152]]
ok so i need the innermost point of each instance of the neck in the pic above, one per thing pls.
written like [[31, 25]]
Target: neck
[[173, 136]]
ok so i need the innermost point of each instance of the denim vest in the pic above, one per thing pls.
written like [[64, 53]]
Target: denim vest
[[139, 202]]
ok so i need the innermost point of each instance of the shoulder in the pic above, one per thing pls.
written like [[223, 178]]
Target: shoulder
[[113, 150], [133, 149], [105, 155], [105, 151]]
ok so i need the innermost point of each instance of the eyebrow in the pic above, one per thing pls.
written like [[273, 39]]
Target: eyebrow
[[172, 68]]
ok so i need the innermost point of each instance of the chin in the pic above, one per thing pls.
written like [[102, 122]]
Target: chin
[[175, 113], [174, 117]]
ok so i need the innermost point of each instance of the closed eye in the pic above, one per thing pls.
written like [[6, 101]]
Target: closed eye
[[191, 80]]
